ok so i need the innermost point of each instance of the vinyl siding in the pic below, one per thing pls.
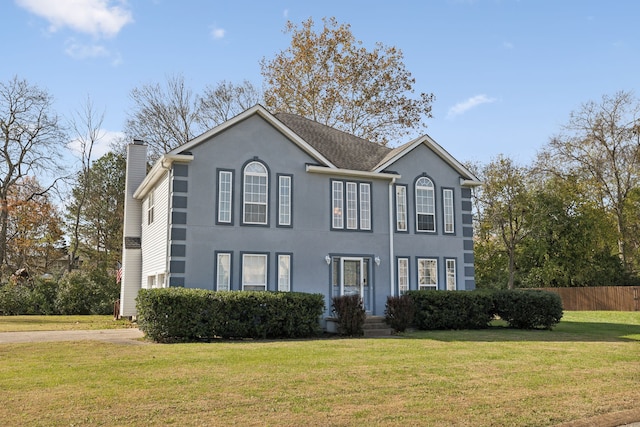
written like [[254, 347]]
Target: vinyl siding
[[154, 235]]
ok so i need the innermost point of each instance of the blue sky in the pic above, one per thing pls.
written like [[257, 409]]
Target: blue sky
[[506, 73]]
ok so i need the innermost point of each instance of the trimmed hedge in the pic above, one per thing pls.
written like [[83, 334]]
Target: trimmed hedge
[[452, 309], [184, 315], [522, 309], [528, 309]]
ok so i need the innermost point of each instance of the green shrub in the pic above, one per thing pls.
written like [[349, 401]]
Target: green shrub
[[350, 315], [82, 292], [528, 309], [399, 312], [15, 298], [452, 309], [182, 314]]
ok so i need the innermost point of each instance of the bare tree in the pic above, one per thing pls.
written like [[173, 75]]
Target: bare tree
[[169, 115], [32, 139], [87, 127], [164, 117], [601, 144], [221, 102]]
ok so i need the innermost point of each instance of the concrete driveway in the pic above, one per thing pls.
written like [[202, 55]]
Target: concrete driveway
[[129, 336]]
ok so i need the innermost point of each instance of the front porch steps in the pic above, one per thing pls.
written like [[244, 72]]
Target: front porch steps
[[375, 326]]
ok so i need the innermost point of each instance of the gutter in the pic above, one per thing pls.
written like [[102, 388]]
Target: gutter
[[392, 263], [352, 173]]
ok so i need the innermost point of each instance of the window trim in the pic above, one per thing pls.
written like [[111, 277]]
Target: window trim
[[219, 173], [290, 275], [216, 269], [397, 204], [280, 176], [434, 286], [266, 267], [446, 190], [407, 275], [244, 201], [415, 203], [455, 274]]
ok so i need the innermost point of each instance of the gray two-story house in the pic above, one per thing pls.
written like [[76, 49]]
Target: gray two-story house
[[268, 202]]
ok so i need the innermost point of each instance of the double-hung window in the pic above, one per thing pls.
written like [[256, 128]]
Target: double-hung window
[[427, 273], [425, 205], [350, 205], [254, 272], [401, 208], [447, 206], [225, 196], [255, 194]]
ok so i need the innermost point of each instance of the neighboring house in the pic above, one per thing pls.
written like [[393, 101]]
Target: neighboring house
[[268, 202]]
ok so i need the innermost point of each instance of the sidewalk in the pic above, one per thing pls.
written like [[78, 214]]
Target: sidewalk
[[119, 336]]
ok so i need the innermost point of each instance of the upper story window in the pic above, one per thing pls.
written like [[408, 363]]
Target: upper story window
[[350, 205], [225, 196], [255, 194], [150, 207], [447, 207], [425, 205], [401, 208], [284, 200]]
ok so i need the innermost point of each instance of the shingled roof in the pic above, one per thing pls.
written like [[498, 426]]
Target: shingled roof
[[344, 150]]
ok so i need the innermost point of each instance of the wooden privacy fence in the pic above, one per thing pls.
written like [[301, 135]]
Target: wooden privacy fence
[[616, 298]]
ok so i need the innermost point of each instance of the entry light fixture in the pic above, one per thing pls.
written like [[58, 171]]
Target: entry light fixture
[[377, 260], [327, 259]]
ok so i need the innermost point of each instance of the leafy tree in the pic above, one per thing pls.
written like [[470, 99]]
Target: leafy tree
[[569, 243], [34, 229], [169, 115], [503, 212], [101, 215], [31, 139], [601, 144], [329, 77]]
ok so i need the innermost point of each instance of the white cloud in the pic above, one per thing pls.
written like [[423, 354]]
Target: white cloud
[[217, 33], [100, 18], [82, 51], [464, 106], [101, 147]]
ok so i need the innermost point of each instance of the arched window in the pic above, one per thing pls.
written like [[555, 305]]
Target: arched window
[[425, 205], [255, 193]]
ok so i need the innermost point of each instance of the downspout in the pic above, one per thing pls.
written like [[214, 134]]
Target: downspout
[[392, 262], [168, 241]]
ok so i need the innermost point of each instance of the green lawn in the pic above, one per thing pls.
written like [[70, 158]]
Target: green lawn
[[588, 365]]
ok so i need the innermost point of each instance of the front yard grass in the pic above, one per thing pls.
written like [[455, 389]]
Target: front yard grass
[[588, 365]]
